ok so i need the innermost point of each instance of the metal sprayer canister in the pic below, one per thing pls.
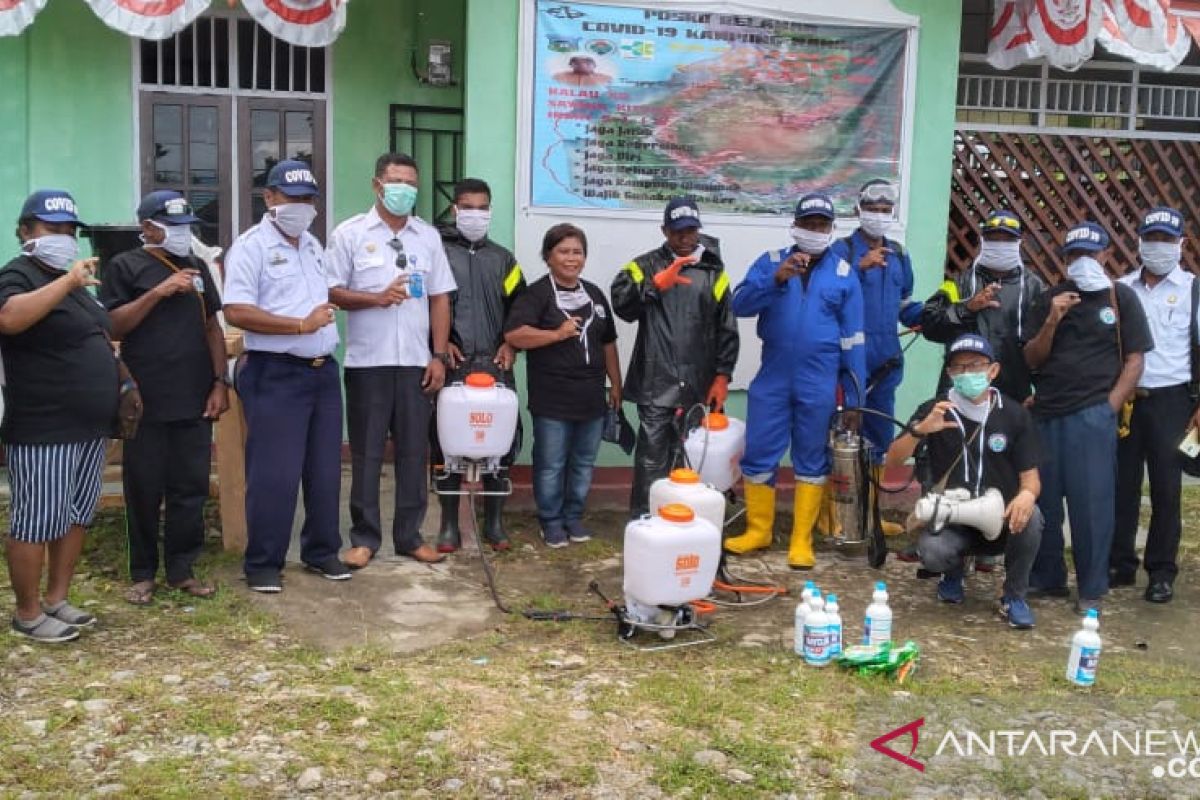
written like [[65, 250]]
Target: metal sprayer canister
[[846, 481]]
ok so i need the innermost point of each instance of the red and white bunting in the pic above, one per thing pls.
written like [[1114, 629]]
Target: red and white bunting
[[148, 19], [15, 15], [1145, 32], [1065, 30], [1009, 40], [306, 23]]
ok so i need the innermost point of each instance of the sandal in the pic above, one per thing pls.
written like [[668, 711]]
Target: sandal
[[194, 588], [141, 593]]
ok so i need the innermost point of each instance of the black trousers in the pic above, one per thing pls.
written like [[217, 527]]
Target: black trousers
[[657, 448], [166, 461], [383, 402], [1158, 424]]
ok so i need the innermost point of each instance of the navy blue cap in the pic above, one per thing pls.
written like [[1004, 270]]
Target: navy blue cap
[[1162, 220], [1086, 237], [971, 343], [168, 207], [1002, 221], [50, 205], [293, 178], [815, 205], [680, 213]]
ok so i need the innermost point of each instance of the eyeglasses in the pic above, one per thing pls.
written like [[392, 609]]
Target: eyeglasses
[[878, 193], [972, 366], [401, 258]]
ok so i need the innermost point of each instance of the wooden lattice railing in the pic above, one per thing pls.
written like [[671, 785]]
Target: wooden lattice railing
[[1054, 181]]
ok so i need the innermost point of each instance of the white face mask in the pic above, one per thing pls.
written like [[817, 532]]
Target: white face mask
[[293, 218], [472, 223], [875, 224], [811, 242], [1088, 274], [1160, 257], [1001, 256], [178, 241], [55, 250]]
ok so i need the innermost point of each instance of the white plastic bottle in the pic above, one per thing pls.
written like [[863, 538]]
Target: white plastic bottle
[[877, 627], [1085, 651], [833, 621], [816, 635], [802, 609]]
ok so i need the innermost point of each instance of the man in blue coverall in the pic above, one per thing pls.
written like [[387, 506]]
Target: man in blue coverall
[[810, 319], [886, 274]]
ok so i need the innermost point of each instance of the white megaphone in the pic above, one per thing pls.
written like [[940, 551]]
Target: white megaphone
[[984, 513]]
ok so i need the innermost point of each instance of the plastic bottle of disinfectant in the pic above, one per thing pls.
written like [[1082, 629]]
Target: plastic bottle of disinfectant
[[833, 621], [1085, 651], [802, 609], [816, 635], [877, 626]]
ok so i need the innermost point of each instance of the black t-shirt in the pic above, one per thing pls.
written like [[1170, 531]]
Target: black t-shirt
[[60, 375], [563, 383], [167, 352], [1084, 361], [1009, 443]]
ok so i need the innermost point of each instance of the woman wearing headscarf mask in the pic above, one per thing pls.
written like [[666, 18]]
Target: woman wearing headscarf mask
[[993, 299], [60, 402], [566, 324]]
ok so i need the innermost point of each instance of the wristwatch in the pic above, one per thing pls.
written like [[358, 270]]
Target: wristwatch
[[222, 379], [443, 357]]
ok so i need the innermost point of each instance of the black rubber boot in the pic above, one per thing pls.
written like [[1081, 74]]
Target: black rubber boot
[[493, 510], [449, 538]]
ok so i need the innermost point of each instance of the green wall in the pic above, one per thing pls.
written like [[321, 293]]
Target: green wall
[[67, 124], [493, 28], [371, 70]]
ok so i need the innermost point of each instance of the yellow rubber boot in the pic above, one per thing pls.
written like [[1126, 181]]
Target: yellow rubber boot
[[760, 520], [889, 528], [805, 511], [828, 523]]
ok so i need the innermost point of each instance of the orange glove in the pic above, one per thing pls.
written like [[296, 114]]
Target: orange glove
[[670, 277], [718, 392]]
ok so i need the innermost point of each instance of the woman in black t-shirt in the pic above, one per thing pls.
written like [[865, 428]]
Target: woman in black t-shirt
[[60, 400], [566, 325]]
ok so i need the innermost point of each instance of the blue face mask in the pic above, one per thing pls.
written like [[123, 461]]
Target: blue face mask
[[971, 384], [399, 198]]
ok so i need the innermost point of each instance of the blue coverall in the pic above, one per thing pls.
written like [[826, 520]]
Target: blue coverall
[[809, 334], [887, 301]]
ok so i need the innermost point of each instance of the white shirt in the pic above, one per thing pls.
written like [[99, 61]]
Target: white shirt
[[360, 259], [1168, 308], [264, 270]]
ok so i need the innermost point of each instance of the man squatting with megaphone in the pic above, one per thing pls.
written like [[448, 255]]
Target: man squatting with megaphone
[[978, 439]]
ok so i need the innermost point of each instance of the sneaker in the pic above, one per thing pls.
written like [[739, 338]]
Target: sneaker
[[65, 612], [267, 582], [554, 534], [1085, 604], [950, 589], [1017, 612], [45, 629], [577, 532], [330, 568]]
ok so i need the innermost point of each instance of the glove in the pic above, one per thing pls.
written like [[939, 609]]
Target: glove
[[670, 277], [718, 392]]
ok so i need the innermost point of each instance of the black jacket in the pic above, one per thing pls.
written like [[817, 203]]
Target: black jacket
[[685, 337], [945, 317], [488, 278]]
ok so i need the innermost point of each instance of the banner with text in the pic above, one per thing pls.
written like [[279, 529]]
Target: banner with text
[[632, 106]]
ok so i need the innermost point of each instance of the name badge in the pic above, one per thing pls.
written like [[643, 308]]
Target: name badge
[[198, 284]]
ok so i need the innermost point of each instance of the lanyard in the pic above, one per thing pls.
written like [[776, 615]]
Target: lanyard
[[982, 435], [154, 251], [575, 294], [1020, 296]]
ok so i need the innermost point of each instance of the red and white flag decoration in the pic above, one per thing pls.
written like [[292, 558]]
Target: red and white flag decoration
[[306, 23], [1145, 31], [1009, 41], [148, 19], [15, 15], [1065, 30]]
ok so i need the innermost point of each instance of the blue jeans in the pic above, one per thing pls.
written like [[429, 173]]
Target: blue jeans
[[564, 452], [1079, 465]]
